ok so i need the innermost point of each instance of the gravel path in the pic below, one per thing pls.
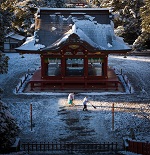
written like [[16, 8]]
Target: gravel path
[[54, 120]]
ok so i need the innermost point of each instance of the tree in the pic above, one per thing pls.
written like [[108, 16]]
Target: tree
[[144, 39], [1, 27], [4, 25], [3, 63], [96, 2], [145, 16], [59, 3], [105, 3], [9, 129], [129, 18]]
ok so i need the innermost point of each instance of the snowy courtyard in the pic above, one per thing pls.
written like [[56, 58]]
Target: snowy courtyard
[[55, 121]]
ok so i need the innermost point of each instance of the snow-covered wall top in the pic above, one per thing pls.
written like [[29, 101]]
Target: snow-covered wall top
[[94, 26]]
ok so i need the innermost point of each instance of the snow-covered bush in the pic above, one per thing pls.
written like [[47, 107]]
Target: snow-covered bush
[[8, 127]]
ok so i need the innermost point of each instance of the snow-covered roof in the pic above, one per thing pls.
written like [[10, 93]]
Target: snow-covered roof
[[99, 36], [54, 28], [30, 45], [15, 36]]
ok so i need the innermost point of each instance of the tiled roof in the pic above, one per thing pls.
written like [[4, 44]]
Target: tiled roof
[[15, 36]]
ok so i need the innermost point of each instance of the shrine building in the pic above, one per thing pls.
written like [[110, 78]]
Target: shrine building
[[74, 44]]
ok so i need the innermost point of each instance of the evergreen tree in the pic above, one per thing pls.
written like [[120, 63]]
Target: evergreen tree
[[3, 66], [1, 27], [96, 3], [127, 18], [105, 3], [5, 24], [59, 3], [145, 15], [20, 14], [143, 40], [3, 63], [8, 128]]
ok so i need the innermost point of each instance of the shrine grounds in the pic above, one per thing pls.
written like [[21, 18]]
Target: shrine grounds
[[55, 121]]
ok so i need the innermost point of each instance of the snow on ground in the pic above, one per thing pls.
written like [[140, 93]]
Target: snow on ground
[[54, 120]]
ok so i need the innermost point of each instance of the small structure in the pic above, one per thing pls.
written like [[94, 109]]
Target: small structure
[[12, 41], [74, 44]]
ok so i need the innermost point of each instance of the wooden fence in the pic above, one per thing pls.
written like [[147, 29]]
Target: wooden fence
[[22, 80], [125, 80], [139, 147], [69, 147]]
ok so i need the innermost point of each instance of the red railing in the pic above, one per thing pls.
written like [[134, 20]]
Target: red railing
[[139, 147]]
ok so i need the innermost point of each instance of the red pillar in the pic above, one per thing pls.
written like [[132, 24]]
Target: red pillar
[[63, 66], [85, 66], [105, 67], [63, 70], [85, 71], [42, 67]]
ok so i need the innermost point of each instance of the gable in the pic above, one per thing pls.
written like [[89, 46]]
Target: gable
[[70, 43]]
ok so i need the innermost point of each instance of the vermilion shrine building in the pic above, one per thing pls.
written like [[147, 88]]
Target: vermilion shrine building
[[74, 44]]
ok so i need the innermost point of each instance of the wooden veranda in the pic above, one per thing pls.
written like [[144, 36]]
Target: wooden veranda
[[112, 82]]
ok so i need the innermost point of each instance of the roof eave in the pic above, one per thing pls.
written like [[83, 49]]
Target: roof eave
[[21, 51], [121, 51]]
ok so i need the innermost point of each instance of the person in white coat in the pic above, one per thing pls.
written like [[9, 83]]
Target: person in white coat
[[70, 99], [85, 101]]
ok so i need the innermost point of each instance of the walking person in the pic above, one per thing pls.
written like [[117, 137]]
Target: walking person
[[85, 101], [70, 99]]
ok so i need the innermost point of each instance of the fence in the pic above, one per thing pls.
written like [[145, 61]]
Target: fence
[[124, 80], [139, 147], [69, 147], [22, 80]]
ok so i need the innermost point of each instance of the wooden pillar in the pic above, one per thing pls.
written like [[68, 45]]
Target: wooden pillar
[[63, 70], [42, 67], [103, 73], [105, 67], [63, 66], [85, 66], [85, 71]]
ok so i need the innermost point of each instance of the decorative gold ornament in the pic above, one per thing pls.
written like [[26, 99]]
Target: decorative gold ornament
[[73, 46]]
